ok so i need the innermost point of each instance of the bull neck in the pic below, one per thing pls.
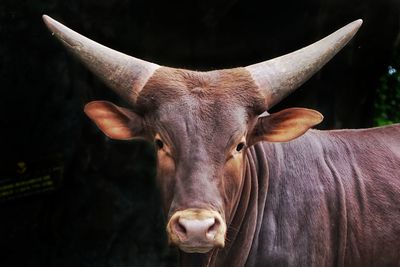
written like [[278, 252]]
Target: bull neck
[[242, 236]]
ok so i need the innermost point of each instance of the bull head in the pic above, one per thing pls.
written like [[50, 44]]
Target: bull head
[[201, 124]]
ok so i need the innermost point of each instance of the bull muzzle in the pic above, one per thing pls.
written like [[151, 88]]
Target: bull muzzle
[[196, 230]]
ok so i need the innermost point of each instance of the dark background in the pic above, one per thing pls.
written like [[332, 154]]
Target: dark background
[[106, 211]]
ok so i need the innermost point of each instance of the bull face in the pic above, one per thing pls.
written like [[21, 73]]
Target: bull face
[[201, 124]]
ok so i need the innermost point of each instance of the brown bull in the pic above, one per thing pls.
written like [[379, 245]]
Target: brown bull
[[324, 198]]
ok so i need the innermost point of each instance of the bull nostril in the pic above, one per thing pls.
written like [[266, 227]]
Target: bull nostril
[[212, 230], [180, 228]]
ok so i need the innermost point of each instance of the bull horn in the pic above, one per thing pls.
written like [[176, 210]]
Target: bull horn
[[126, 75], [280, 76]]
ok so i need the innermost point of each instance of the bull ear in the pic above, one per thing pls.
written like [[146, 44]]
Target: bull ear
[[285, 125], [115, 122]]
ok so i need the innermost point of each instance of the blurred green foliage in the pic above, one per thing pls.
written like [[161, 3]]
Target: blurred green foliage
[[387, 103]]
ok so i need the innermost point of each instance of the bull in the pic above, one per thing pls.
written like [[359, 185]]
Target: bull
[[240, 186]]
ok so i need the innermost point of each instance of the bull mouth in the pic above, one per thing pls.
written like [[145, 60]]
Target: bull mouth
[[189, 249]]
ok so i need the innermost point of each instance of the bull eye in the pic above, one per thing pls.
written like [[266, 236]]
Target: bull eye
[[159, 144], [240, 146]]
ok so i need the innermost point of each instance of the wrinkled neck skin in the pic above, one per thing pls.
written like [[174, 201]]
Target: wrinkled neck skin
[[245, 224]]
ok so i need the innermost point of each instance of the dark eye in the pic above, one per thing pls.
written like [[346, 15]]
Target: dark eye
[[159, 143], [240, 146]]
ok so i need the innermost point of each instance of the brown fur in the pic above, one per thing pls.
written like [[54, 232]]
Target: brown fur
[[324, 199]]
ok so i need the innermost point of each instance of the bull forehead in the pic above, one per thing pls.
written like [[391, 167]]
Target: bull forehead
[[233, 86], [202, 110], [197, 127]]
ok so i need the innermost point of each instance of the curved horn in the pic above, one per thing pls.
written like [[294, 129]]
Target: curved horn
[[280, 76], [126, 75]]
